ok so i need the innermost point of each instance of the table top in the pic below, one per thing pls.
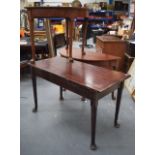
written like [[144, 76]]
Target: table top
[[67, 12], [89, 55], [92, 77]]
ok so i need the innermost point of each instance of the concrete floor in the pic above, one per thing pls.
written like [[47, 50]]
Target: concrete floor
[[63, 127]]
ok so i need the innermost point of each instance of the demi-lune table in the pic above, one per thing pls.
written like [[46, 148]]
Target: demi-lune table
[[69, 13]]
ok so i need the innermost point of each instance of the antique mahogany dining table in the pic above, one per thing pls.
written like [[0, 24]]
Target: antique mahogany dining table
[[87, 80]]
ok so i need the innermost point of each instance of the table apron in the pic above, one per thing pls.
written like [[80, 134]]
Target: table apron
[[69, 85], [43, 13]]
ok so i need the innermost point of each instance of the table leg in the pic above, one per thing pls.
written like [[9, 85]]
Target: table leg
[[94, 104], [119, 95], [71, 24], [114, 68], [31, 21], [34, 83], [85, 24], [113, 96], [67, 38], [83, 98], [61, 93]]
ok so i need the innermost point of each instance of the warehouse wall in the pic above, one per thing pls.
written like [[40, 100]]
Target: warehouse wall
[[82, 1], [25, 2], [91, 1]]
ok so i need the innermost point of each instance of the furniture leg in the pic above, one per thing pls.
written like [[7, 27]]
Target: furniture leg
[[49, 38], [119, 95], [71, 23], [85, 24], [113, 96], [31, 21], [83, 98], [34, 90], [61, 93], [67, 38], [94, 104], [114, 68]]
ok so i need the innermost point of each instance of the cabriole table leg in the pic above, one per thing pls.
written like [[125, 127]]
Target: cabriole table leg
[[118, 102], [94, 104], [61, 93], [113, 96]]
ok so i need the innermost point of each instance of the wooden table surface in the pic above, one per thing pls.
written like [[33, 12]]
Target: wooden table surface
[[93, 77], [93, 57]]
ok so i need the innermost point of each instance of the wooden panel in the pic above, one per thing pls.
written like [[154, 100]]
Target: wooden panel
[[114, 47]]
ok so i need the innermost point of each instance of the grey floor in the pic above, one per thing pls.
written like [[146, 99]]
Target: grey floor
[[63, 127]]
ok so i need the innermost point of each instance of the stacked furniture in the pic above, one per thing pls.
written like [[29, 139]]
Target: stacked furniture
[[87, 80]]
